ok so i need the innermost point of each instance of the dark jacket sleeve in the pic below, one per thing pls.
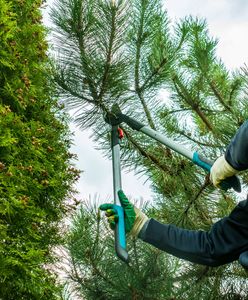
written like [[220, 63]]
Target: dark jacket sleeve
[[237, 151], [224, 243]]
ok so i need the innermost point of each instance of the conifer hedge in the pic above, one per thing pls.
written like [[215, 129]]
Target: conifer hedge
[[35, 169]]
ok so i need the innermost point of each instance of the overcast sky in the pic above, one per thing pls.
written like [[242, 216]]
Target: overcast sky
[[228, 21]]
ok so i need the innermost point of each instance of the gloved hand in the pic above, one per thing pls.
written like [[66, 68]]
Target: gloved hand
[[134, 218], [221, 170]]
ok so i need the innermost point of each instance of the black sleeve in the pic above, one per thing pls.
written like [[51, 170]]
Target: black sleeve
[[237, 151], [226, 240]]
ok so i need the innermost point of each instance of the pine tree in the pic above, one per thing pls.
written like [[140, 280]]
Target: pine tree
[[125, 52], [35, 174]]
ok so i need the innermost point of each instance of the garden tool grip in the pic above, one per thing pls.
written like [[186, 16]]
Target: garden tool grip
[[206, 164], [120, 235]]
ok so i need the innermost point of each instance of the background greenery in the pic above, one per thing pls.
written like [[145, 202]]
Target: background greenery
[[36, 174]]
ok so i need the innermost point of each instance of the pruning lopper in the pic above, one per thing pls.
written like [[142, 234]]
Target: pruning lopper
[[115, 118]]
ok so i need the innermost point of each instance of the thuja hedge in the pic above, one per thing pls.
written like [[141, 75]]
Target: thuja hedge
[[35, 171]]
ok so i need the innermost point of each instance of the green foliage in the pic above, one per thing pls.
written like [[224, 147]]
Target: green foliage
[[91, 246], [96, 60], [35, 174], [130, 64]]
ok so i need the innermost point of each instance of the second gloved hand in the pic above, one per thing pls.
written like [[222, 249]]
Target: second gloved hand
[[134, 218], [221, 170]]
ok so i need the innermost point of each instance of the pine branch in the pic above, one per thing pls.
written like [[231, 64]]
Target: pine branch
[[86, 68], [164, 60], [139, 43], [236, 85], [194, 199], [218, 95], [155, 161], [75, 272], [153, 74], [62, 84], [96, 241], [98, 272], [136, 255], [145, 154], [75, 277], [183, 93], [203, 214], [199, 48], [176, 111], [146, 109], [197, 141], [140, 39], [109, 52]]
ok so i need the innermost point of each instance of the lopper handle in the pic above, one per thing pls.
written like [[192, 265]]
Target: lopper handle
[[206, 164], [120, 235]]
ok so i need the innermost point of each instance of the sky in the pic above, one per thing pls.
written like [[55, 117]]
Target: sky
[[228, 21]]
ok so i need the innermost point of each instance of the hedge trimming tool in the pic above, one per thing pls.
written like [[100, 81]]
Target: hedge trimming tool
[[115, 118]]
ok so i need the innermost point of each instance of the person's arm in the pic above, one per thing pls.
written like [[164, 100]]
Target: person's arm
[[237, 151], [224, 243], [235, 158]]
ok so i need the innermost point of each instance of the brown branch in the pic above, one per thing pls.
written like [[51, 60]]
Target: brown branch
[[203, 117], [218, 95], [202, 188], [169, 171], [154, 73], [86, 67], [83, 281], [109, 56], [66, 88], [99, 273], [140, 38], [162, 64], [147, 155], [146, 110], [96, 241], [196, 141], [183, 93], [138, 90]]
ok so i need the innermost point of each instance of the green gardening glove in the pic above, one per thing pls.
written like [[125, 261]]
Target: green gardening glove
[[134, 218], [129, 213]]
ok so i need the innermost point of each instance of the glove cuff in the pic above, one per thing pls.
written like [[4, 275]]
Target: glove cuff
[[139, 222]]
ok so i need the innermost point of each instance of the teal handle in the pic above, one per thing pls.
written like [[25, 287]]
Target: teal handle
[[202, 162], [120, 234], [206, 164]]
